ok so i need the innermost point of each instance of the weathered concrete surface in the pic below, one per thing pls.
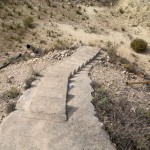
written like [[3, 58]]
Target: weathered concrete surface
[[49, 117], [86, 127], [50, 95]]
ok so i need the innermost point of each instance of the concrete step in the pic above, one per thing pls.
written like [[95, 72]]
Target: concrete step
[[52, 116]]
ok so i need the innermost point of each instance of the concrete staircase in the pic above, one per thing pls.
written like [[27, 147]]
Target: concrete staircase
[[57, 114]]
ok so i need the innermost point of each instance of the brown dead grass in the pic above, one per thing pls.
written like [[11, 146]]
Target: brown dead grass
[[129, 129]]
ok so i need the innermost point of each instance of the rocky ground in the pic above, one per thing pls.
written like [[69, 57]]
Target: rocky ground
[[123, 109]]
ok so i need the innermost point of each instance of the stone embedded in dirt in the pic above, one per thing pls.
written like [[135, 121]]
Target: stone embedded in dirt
[[35, 59], [24, 86], [124, 72], [107, 58], [10, 77], [71, 85], [66, 55], [59, 58], [118, 93], [33, 55]]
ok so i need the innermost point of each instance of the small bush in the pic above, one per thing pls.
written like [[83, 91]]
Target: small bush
[[33, 72], [49, 3], [111, 50], [28, 22], [121, 11], [12, 93], [19, 13], [29, 6], [129, 67], [28, 82], [78, 12], [139, 45], [95, 84], [10, 107], [61, 44]]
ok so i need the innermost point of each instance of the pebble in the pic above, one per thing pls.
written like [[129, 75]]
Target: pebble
[[32, 54], [10, 77], [124, 72]]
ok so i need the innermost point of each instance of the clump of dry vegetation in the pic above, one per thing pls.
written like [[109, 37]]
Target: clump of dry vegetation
[[131, 67], [28, 82], [12, 93], [128, 128], [62, 44], [33, 76], [28, 22], [10, 107]]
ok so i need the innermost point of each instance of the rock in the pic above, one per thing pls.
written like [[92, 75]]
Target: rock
[[134, 77], [111, 65], [124, 72], [10, 77], [71, 85], [69, 53], [107, 58], [66, 55], [59, 58], [55, 56], [100, 61], [118, 93], [133, 109], [24, 86], [32, 54], [63, 55], [35, 59]]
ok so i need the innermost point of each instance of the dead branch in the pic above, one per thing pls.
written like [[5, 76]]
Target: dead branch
[[11, 61], [138, 82]]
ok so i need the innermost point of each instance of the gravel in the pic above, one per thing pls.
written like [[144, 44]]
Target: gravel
[[114, 81]]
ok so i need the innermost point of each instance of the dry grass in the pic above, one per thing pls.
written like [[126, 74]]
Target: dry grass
[[28, 22], [10, 107], [131, 67], [62, 44], [12, 93], [129, 129]]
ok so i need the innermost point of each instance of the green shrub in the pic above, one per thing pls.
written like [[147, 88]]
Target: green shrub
[[28, 22], [139, 45], [12, 93]]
